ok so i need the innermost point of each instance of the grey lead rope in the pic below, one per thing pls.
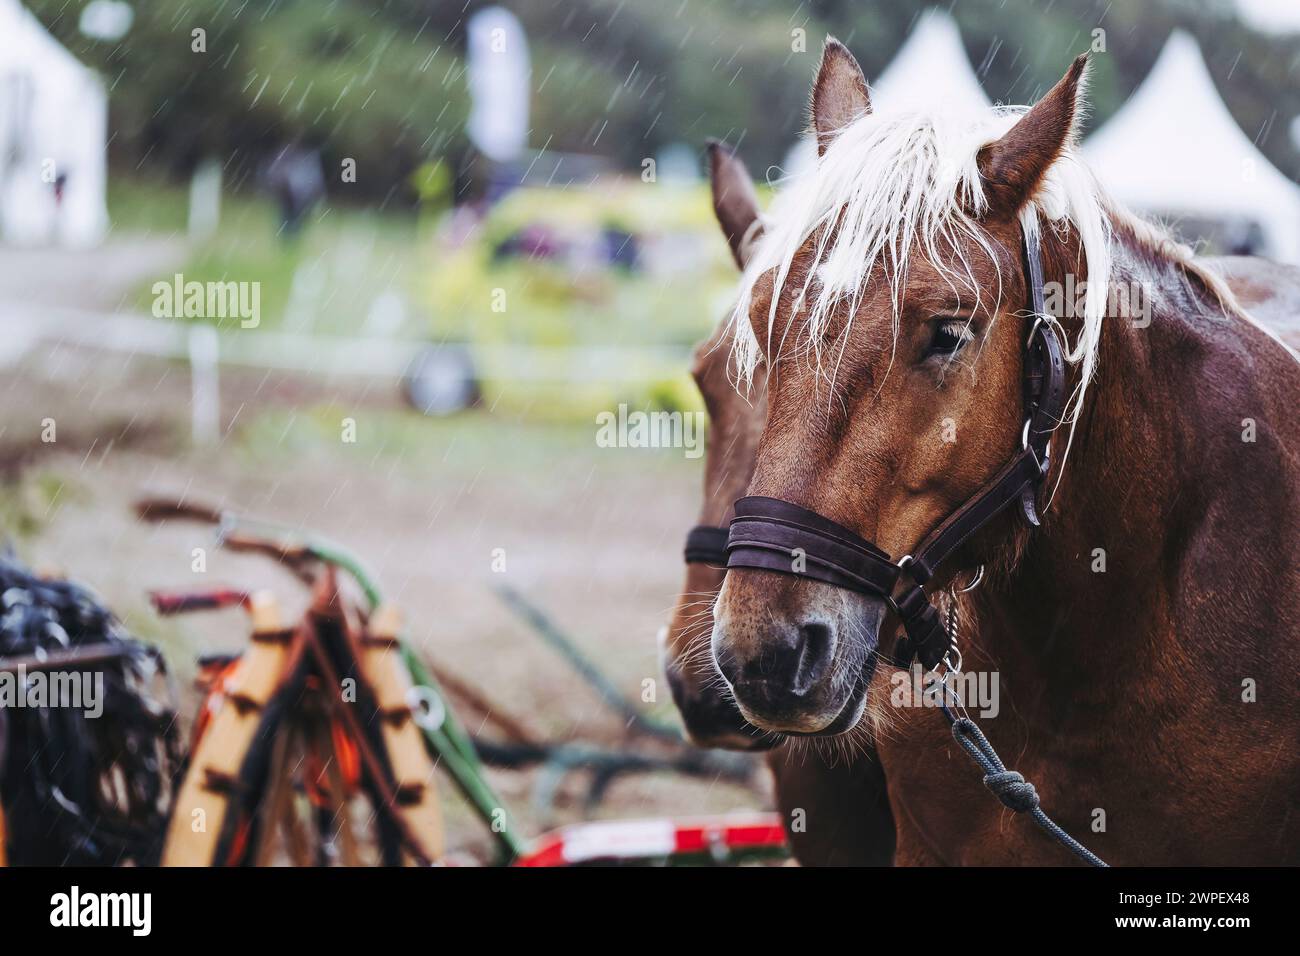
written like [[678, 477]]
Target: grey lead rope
[[1013, 790]]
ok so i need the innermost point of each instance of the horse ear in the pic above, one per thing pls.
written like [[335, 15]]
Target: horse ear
[[1013, 166], [839, 95], [735, 202]]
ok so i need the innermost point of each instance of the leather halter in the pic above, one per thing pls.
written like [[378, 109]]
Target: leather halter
[[769, 534], [706, 544]]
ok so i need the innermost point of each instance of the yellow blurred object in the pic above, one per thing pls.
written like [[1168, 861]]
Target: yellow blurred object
[[572, 271], [432, 183]]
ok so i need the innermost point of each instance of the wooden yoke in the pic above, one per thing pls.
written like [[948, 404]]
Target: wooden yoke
[[413, 770], [200, 811]]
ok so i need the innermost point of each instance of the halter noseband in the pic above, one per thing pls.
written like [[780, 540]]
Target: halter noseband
[[769, 534], [706, 544]]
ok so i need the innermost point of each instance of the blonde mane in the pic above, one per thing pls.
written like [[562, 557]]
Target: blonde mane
[[894, 185]]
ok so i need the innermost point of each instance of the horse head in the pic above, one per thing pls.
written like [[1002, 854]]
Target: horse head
[[887, 305]]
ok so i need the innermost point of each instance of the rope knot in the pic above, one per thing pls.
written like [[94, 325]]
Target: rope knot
[[1015, 792]]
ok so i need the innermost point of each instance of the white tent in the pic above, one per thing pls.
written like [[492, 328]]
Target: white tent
[[53, 129], [1174, 150], [931, 67]]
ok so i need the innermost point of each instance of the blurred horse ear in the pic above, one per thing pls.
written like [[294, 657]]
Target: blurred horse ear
[[734, 201], [1013, 166], [839, 95]]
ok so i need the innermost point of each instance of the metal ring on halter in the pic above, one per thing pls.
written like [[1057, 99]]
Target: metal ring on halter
[[1024, 435], [979, 576], [1038, 320]]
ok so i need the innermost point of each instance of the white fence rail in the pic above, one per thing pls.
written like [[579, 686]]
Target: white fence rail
[[204, 349]]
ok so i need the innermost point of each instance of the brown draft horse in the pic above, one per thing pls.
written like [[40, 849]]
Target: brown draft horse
[[833, 800], [839, 796], [1145, 636]]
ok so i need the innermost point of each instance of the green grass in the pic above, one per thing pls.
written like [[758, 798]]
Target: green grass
[[143, 206], [323, 281], [31, 501], [461, 445]]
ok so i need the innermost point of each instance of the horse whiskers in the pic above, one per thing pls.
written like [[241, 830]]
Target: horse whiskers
[[706, 598], [697, 647], [692, 620], [698, 661], [683, 606], [697, 621], [695, 640], [843, 748], [704, 667]]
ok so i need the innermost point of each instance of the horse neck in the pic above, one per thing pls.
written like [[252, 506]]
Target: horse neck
[[1085, 593]]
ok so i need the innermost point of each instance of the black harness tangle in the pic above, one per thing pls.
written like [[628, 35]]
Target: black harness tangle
[[768, 534]]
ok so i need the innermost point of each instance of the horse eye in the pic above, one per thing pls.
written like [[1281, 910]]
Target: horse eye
[[949, 338]]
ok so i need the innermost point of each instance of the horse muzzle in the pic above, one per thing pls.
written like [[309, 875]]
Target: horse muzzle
[[799, 671], [712, 720]]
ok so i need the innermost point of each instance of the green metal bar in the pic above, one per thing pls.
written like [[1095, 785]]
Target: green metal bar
[[585, 667], [472, 785]]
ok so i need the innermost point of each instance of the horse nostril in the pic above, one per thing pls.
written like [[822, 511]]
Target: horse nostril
[[728, 665], [794, 658], [816, 644]]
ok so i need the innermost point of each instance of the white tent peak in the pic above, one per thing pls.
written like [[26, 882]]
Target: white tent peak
[[1175, 149], [931, 67]]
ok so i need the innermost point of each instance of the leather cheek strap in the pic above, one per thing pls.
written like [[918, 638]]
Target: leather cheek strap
[[1045, 401], [1023, 476], [924, 636]]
